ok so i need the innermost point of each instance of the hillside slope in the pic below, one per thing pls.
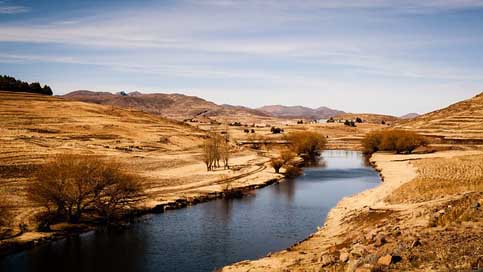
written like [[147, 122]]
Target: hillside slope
[[299, 112], [166, 153], [460, 122], [174, 106], [368, 117], [34, 124]]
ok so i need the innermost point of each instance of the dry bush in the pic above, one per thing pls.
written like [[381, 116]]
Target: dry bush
[[399, 141], [292, 171], [371, 143], [287, 156], [276, 164], [70, 185], [441, 177], [307, 143]]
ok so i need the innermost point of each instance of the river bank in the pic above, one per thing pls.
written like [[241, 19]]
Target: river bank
[[364, 232], [212, 234], [258, 176]]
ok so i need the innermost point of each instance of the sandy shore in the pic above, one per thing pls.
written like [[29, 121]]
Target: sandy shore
[[309, 255]]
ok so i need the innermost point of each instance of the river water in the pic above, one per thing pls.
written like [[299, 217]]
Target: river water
[[212, 234]]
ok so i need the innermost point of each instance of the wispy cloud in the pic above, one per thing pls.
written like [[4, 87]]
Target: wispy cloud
[[6, 8], [310, 45]]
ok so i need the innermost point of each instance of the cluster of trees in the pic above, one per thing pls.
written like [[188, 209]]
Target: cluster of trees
[[11, 84], [307, 144], [215, 149], [235, 124], [70, 185], [350, 123], [285, 159], [394, 140]]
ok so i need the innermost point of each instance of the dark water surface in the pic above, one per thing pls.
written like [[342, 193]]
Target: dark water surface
[[213, 234]]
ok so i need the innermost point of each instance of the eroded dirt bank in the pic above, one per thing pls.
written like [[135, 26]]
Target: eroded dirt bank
[[372, 232]]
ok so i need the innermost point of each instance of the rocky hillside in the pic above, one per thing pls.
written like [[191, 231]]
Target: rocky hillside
[[299, 112], [174, 106], [457, 123]]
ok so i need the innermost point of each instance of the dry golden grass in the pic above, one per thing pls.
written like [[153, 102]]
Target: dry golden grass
[[440, 177], [459, 123]]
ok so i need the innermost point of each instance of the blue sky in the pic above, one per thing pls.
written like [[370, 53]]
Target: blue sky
[[381, 56]]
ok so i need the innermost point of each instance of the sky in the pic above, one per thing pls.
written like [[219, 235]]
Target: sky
[[378, 56]]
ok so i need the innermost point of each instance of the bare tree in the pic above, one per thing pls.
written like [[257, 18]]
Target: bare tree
[[215, 149], [276, 164], [70, 185]]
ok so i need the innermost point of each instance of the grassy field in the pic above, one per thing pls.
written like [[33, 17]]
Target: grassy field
[[442, 177]]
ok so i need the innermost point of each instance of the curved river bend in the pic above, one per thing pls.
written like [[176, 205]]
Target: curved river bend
[[213, 234]]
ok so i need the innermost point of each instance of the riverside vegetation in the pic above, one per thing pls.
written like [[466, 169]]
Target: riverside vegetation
[[306, 144]]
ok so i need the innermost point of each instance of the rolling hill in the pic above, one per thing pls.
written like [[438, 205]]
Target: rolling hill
[[368, 117], [461, 122], [173, 106], [43, 125]]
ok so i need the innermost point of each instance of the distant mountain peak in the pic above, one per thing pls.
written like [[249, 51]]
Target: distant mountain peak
[[410, 115], [299, 112]]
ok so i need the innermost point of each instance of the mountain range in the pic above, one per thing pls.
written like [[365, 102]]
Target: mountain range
[[182, 107]]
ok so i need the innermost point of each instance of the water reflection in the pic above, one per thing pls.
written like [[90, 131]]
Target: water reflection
[[212, 234]]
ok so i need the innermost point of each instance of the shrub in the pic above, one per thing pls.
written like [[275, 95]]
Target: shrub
[[396, 140], [350, 123], [371, 143], [276, 130], [307, 143], [287, 156], [292, 171], [276, 164], [70, 185]]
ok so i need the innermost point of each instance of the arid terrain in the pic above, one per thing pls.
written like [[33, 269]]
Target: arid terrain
[[375, 231], [175, 106], [425, 216], [167, 153], [459, 123]]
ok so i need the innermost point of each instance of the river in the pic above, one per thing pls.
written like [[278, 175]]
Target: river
[[212, 234]]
